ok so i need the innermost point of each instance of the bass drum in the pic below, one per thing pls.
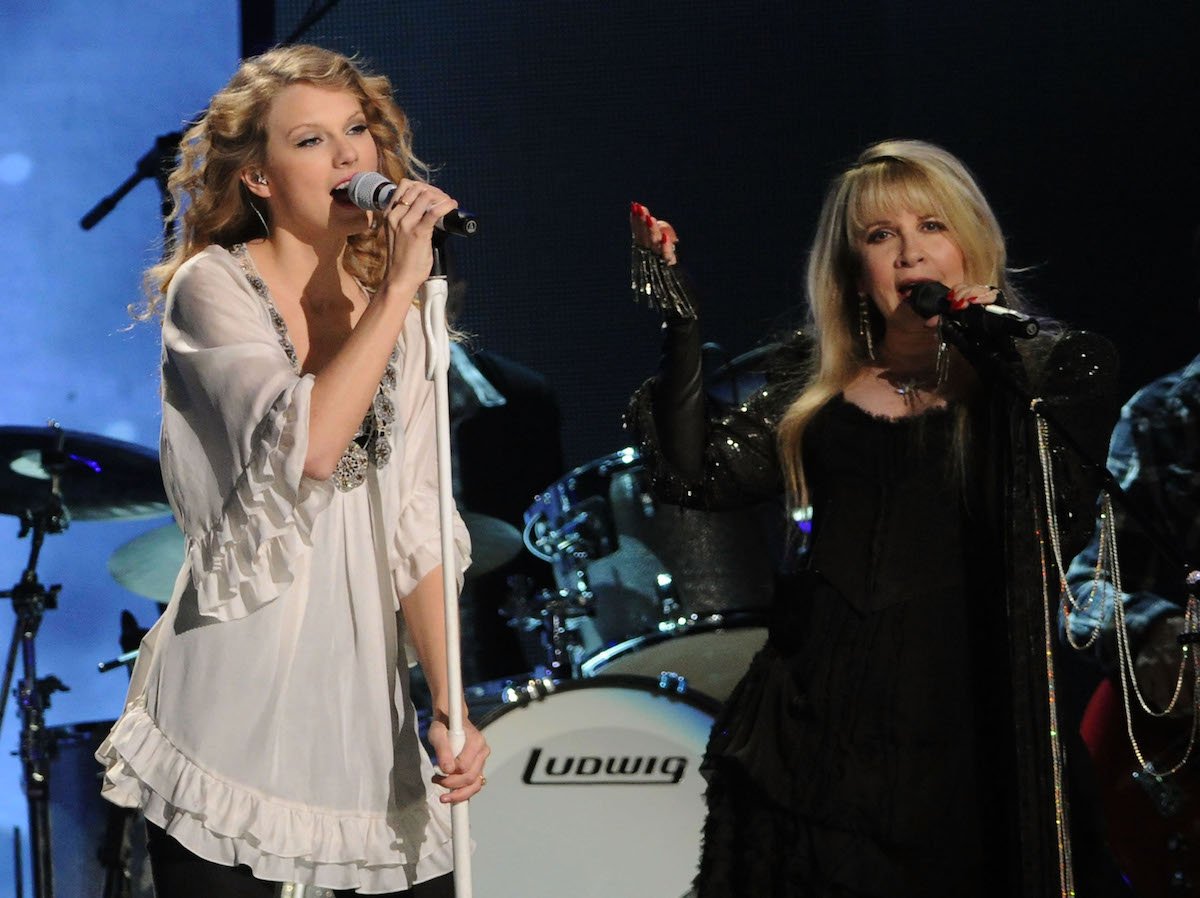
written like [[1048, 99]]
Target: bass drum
[[594, 790], [710, 655]]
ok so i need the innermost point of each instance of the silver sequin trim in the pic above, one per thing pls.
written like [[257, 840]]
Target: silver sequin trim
[[371, 444]]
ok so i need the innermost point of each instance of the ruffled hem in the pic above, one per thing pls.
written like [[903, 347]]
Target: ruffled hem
[[280, 842], [759, 727], [416, 544], [248, 558]]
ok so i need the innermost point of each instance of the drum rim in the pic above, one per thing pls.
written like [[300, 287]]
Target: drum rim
[[620, 460], [700, 701], [718, 620]]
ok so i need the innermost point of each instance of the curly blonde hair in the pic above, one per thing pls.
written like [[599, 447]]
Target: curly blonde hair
[[212, 205], [888, 176]]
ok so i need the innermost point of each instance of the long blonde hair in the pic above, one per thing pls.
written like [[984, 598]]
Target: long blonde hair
[[886, 177], [212, 205]]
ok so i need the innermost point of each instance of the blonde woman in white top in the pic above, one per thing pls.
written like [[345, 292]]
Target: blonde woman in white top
[[269, 735]]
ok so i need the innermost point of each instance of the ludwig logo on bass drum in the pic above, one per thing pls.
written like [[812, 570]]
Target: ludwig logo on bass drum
[[596, 770]]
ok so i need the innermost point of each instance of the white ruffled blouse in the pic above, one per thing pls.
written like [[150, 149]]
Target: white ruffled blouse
[[268, 721]]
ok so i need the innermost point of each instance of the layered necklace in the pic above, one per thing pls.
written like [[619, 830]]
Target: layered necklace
[[908, 384]]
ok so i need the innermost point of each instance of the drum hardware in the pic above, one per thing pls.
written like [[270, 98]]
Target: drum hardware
[[533, 689], [126, 659], [669, 681], [98, 479], [31, 599], [48, 477], [648, 567], [668, 600], [571, 521], [556, 613]]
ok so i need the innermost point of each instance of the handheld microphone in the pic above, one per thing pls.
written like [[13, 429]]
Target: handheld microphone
[[930, 298], [372, 191]]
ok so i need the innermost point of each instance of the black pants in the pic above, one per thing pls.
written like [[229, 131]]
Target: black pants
[[180, 874]]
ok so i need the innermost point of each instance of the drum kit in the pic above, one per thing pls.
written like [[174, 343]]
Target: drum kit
[[655, 615]]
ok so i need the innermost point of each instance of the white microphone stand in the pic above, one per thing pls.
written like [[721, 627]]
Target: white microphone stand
[[437, 365]]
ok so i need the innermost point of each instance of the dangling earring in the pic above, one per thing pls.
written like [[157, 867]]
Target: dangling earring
[[941, 362], [258, 178], [864, 326], [262, 221]]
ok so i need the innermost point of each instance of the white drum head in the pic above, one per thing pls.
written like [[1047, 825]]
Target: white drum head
[[594, 792]]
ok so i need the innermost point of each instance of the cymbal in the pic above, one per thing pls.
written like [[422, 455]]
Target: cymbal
[[493, 542], [102, 479], [148, 564]]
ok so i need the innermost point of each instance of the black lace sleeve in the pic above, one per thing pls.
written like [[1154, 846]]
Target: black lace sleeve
[[739, 461]]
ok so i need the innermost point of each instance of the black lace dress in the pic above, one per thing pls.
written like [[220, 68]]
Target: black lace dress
[[848, 755], [895, 736]]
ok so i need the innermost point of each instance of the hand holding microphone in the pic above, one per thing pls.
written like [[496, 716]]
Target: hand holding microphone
[[991, 319], [372, 191]]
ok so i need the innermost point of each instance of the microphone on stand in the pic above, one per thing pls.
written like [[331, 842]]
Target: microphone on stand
[[930, 298], [372, 191]]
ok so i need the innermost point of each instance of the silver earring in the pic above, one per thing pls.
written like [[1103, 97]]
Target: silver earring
[[864, 326], [941, 362], [260, 178], [262, 221]]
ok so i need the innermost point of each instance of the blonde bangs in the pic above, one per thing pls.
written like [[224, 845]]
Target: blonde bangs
[[887, 186]]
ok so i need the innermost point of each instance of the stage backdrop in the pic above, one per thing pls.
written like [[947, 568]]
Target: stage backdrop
[[728, 118]]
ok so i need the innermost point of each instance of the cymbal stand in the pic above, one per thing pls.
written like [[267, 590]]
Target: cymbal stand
[[30, 600]]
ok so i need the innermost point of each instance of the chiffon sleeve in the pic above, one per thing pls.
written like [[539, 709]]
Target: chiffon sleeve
[[234, 440]]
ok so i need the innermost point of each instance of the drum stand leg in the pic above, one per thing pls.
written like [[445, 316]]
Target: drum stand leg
[[550, 612], [30, 601], [559, 641], [114, 852]]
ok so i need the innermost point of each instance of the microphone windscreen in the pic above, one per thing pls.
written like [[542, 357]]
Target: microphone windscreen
[[929, 298], [364, 190]]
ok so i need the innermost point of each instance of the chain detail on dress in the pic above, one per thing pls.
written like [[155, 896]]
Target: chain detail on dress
[[371, 444], [1108, 568], [1066, 867]]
